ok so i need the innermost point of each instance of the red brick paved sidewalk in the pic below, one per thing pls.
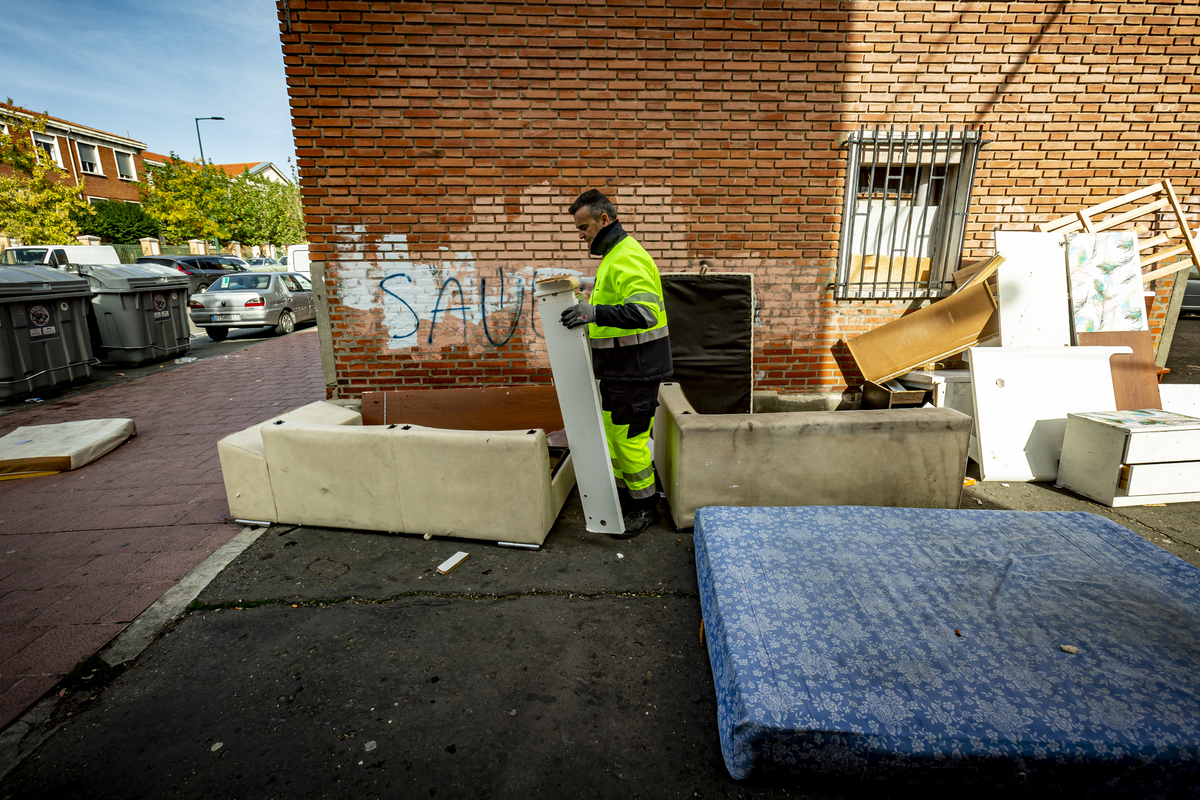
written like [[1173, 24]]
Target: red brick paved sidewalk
[[82, 553]]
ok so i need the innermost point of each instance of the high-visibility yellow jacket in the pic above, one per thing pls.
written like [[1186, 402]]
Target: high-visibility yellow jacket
[[628, 275], [629, 338]]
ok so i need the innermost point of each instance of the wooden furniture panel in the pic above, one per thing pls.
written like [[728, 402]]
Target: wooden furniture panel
[[1134, 376]]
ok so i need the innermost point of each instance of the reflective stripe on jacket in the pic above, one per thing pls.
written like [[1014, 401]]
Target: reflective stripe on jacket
[[627, 274]]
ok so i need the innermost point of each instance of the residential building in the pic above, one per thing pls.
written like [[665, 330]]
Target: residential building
[[266, 169], [109, 165]]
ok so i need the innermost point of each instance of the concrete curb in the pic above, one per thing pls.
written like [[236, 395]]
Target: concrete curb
[[137, 637], [24, 735]]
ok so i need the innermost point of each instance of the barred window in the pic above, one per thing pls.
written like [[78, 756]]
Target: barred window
[[905, 211]]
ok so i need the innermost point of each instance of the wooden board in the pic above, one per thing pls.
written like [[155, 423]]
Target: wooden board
[[881, 269], [1134, 376], [942, 329], [483, 408]]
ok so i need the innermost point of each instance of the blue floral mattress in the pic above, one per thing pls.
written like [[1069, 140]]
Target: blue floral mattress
[[846, 640]]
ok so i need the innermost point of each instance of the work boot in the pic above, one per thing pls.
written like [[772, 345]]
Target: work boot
[[638, 520]]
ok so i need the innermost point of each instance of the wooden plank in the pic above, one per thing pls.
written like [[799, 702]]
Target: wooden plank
[[949, 326], [452, 562], [1188, 238], [1072, 222], [882, 269], [985, 271], [1163, 255], [1162, 238], [1121, 219], [877, 396], [1134, 376], [475, 408], [1174, 267]]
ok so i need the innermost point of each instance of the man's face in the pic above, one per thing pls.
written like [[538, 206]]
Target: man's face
[[589, 227]]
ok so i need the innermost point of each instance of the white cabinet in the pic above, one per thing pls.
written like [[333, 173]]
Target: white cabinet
[[1131, 458]]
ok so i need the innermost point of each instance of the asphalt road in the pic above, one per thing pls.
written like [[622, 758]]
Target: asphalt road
[[1184, 358]]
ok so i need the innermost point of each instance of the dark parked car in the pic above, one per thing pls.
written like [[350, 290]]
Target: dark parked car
[[253, 300], [1191, 298], [201, 270]]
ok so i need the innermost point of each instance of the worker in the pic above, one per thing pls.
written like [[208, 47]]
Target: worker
[[631, 353]]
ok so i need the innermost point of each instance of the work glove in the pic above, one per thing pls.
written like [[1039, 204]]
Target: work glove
[[581, 313]]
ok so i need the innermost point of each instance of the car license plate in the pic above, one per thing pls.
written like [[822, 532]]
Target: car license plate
[[225, 318]]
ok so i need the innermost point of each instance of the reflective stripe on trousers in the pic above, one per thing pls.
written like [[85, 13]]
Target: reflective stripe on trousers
[[632, 463]]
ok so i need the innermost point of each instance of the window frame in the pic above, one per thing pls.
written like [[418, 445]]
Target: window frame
[[915, 166], [47, 138], [132, 165], [99, 170]]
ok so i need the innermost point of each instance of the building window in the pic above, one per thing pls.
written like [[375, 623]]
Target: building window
[[905, 211], [48, 145], [89, 158], [125, 169]]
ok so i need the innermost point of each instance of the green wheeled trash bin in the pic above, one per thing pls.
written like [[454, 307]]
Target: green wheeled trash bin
[[44, 338], [139, 311]]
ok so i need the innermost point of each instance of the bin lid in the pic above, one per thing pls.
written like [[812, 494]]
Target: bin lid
[[17, 282], [105, 278]]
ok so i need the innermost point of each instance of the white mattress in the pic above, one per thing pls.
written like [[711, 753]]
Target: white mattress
[[61, 447]]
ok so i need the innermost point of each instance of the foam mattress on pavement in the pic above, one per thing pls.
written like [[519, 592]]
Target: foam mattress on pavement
[[62, 446], [878, 641]]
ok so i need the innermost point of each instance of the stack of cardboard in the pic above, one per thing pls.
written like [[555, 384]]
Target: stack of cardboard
[[1053, 324]]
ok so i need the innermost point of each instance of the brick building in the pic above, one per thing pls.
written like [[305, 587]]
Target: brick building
[[440, 143], [108, 165]]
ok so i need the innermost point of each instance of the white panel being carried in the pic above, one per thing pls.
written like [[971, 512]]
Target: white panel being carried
[[1022, 397], [1035, 310], [579, 401]]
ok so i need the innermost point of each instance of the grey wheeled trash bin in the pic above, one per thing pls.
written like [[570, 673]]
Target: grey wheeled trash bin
[[139, 311], [43, 329]]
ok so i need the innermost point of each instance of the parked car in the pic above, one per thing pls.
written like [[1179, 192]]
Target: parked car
[[263, 261], [58, 255], [298, 261], [1191, 297], [201, 270], [253, 300]]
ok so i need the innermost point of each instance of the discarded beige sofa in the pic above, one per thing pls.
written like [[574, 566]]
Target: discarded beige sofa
[[489, 485], [909, 458]]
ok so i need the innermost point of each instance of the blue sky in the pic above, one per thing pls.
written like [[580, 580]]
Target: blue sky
[[147, 69]]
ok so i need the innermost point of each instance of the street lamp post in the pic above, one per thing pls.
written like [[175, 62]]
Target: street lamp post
[[216, 241]]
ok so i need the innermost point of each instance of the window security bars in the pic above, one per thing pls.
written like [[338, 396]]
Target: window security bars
[[904, 215]]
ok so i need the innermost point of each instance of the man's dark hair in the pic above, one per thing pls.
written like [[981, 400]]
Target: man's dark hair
[[596, 204]]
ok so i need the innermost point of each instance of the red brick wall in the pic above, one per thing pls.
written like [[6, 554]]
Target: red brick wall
[[440, 143]]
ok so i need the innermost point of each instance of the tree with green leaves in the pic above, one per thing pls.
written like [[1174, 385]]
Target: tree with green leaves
[[262, 211], [119, 223], [199, 201], [38, 203], [188, 201]]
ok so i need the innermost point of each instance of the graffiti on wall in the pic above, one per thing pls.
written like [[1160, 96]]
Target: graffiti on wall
[[448, 301]]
